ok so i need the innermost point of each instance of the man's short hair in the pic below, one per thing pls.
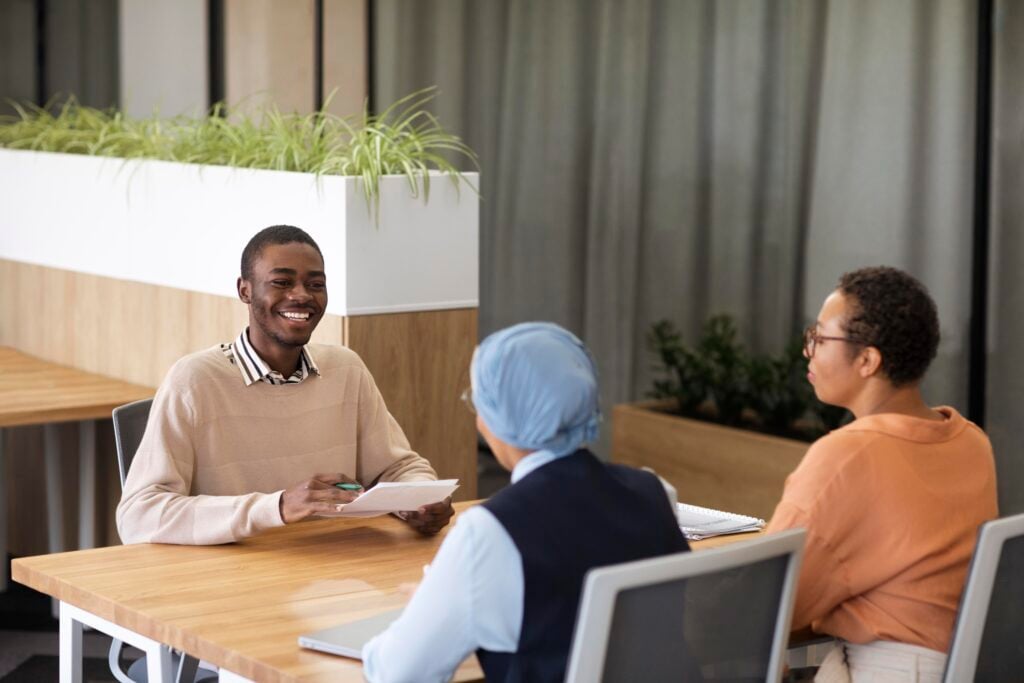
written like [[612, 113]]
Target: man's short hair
[[892, 311], [275, 234]]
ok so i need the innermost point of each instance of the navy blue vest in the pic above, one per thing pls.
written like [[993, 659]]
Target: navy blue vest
[[566, 518]]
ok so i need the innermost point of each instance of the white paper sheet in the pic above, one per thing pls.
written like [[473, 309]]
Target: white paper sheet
[[699, 523], [397, 496]]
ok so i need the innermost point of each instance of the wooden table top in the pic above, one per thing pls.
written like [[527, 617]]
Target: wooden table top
[[243, 606], [34, 391]]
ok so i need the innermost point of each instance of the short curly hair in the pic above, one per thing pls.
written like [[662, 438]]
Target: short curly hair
[[892, 311], [275, 234]]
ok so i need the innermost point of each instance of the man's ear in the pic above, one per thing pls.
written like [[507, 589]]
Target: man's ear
[[869, 362], [244, 290]]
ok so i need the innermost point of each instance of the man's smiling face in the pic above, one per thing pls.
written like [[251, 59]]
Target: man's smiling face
[[287, 295]]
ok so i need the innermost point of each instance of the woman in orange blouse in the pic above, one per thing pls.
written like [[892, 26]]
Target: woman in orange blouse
[[892, 501]]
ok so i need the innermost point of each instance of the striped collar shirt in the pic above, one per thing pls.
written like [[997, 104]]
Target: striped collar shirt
[[254, 369]]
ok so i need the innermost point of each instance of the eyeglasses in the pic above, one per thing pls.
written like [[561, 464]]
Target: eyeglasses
[[467, 398], [812, 339]]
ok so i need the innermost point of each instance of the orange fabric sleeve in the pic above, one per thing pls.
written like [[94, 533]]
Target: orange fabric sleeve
[[824, 582]]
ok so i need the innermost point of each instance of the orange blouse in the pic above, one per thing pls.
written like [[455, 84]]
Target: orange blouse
[[892, 506]]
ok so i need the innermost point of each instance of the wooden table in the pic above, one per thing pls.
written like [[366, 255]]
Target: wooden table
[[243, 606], [37, 392]]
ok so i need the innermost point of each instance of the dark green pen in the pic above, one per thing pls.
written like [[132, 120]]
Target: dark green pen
[[345, 486]]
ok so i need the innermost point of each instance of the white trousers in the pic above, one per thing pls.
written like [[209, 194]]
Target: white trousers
[[881, 662]]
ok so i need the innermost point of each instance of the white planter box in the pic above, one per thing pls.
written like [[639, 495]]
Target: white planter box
[[184, 226]]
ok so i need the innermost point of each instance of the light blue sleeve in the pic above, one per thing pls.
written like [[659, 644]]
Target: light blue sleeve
[[471, 597]]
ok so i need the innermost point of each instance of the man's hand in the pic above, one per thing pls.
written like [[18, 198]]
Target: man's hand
[[430, 519], [317, 496]]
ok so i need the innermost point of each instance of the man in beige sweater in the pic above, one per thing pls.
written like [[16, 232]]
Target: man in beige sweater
[[254, 434]]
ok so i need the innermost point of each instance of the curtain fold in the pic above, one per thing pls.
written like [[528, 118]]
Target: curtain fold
[[895, 161], [1005, 385]]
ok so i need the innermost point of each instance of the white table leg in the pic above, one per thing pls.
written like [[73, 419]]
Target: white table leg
[[4, 565], [87, 478], [70, 647], [225, 676], [54, 497], [72, 620], [54, 494], [159, 668]]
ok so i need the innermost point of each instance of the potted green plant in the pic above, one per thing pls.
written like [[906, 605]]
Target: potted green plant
[[725, 426], [150, 190]]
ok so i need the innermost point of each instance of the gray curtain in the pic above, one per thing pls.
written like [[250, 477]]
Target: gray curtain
[[646, 159], [1005, 400], [895, 160], [17, 53], [78, 41]]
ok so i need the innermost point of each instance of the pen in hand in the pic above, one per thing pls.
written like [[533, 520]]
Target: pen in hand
[[346, 486]]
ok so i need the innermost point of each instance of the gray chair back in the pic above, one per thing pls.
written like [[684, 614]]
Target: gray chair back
[[709, 615], [987, 645], [129, 426]]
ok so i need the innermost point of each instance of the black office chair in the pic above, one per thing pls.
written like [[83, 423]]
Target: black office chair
[[129, 426], [986, 645]]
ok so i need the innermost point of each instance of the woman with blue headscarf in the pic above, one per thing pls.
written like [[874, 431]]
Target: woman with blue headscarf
[[506, 582]]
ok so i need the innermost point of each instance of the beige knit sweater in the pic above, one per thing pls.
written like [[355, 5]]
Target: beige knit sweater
[[217, 454]]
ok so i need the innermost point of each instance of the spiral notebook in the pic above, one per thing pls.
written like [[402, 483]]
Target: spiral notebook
[[698, 523]]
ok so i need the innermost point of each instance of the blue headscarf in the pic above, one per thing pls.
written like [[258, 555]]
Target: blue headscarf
[[535, 386]]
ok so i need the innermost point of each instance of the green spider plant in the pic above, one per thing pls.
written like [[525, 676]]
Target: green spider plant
[[405, 139]]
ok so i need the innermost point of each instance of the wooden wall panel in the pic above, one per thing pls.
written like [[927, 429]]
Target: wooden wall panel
[[269, 51], [345, 68], [128, 330], [420, 362]]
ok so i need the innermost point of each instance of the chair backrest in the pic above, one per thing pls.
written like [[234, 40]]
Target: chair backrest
[[719, 614], [987, 643], [129, 426]]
